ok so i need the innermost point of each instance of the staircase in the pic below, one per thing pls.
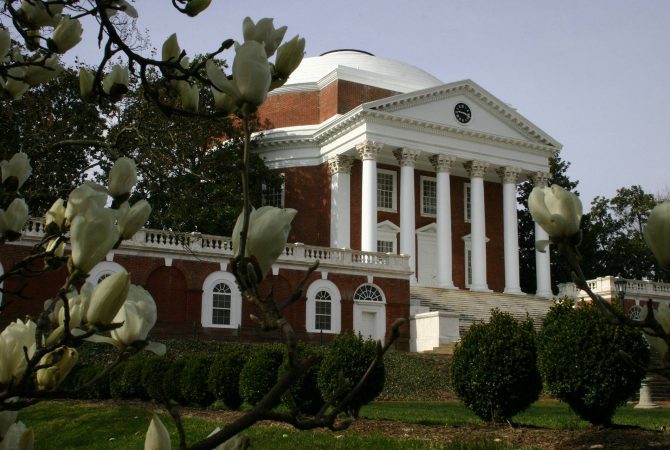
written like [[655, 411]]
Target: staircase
[[476, 306]]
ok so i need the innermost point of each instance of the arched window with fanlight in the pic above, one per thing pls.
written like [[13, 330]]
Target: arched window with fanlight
[[102, 270], [221, 301], [323, 312]]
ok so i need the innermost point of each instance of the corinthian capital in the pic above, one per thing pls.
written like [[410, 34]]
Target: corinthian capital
[[369, 149], [508, 174], [476, 169], [442, 163], [340, 164], [540, 179], [406, 156]]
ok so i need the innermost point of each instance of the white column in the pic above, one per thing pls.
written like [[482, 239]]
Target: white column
[[509, 176], [407, 161], [340, 200], [368, 151], [443, 165], [477, 169], [542, 262]]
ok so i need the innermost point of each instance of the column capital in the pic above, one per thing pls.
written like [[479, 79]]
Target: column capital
[[369, 149], [340, 164], [406, 157], [508, 174], [442, 163], [540, 179], [476, 169]]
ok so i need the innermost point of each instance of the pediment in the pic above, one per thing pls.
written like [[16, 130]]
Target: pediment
[[490, 116]]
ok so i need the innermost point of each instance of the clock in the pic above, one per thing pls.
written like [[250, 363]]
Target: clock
[[462, 112]]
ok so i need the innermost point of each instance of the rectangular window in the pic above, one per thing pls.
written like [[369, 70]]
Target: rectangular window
[[386, 190], [273, 195], [221, 309], [385, 247], [467, 202], [428, 197], [322, 316]]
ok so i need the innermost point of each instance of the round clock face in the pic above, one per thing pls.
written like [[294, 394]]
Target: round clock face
[[462, 113]]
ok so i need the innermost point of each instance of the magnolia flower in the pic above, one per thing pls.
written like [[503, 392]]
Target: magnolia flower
[[124, 6], [107, 298], [58, 248], [131, 220], [115, 83], [195, 7], [7, 418], [171, 50], [54, 219], [78, 306], [122, 177], [13, 340], [662, 316], [92, 235], [41, 74], [266, 237], [16, 171], [12, 220], [224, 102], [14, 86], [87, 195], [60, 362], [86, 82], [251, 72], [556, 210], [157, 437], [657, 233], [264, 33], [41, 13], [237, 442], [289, 57], [18, 437], [190, 96], [5, 42], [66, 35]]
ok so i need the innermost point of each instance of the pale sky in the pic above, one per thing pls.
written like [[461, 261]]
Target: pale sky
[[595, 74]]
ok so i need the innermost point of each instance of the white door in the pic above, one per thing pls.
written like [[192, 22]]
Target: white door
[[368, 325]]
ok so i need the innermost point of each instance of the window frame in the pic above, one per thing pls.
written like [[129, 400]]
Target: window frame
[[282, 191], [335, 307], [423, 178], [394, 187], [207, 306]]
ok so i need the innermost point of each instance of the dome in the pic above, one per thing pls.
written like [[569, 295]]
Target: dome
[[364, 68]]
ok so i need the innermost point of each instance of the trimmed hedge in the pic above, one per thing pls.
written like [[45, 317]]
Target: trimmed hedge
[[580, 360], [194, 388], [304, 389], [153, 375], [224, 375], [259, 374], [126, 380], [494, 370], [416, 377]]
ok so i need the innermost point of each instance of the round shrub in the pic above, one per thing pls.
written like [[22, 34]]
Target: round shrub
[[259, 374], [126, 380], [494, 369], [172, 381], [304, 389], [224, 375], [346, 360], [194, 388], [153, 374], [580, 361]]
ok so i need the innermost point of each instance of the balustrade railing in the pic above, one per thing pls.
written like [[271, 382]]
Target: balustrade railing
[[634, 288]]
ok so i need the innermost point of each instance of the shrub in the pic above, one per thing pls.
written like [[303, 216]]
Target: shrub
[[153, 374], [172, 381], [346, 360], [304, 389], [494, 369], [416, 377], [81, 375], [259, 374], [579, 358], [194, 388], [126, 380], [224, 375]]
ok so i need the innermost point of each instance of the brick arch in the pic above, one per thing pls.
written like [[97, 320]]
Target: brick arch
[[167, 285]]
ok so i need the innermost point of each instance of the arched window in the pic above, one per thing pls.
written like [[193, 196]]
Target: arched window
[[102, 270], [221, 301], [323, 308], [368, 293]]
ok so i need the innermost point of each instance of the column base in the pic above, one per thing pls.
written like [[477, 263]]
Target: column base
[[482, 288], [546, 294], [448, 285], [515, 291]]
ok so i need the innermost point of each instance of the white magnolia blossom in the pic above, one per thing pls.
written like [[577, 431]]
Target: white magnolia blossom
[[60, 362], [115, 83], [7, 418], [556, 210], [18, 166], [41, 13], [122, 177], [54, 219], [157, 437], [132, 219], [122, 5], [13, 220], [81, 199], [289, 57], [190, 96], [18, 437], [171, 49], [66, 35], [236, 442], [57, 247], [657, 233], [662, 316], [195, 7], [92, 235], [266, 238], [107, 298], [264, 33], [5, 42], [86, 81], [38, 74], [13, 85], [13, 339]]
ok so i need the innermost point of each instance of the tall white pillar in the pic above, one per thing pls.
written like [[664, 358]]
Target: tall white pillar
[[443, 165], [368, 151], [542, 262], [476, 170], [340, 200], [407, 161], [509, 176]]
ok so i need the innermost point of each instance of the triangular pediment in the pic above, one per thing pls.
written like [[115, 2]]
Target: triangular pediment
[[489, 115]]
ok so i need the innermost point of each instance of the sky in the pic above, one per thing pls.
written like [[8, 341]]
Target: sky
[[595, 74]]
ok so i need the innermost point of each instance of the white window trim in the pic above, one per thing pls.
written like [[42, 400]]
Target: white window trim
[[206, 315], [103, 268], [466, 188], [394, 196], [388, 231], [421, 179], [335, 307]]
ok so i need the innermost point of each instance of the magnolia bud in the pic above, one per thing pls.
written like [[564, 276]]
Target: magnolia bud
[[122, 177], [86, 196], [92, 235], [138, 315], [221, 81], [7, 418], [40, 14], [264, 33], [13, 220], [86, 82], [190, 96], [662, 316], [66, 35], [134, 219], [224, 102], [157, 437], [5, 42], [18, 437], [556, 210], [60, 362], [39, 74], [195, 7], [14, 87], [115, 83], [657, 233], [58, 248], [107, 298], [13, 363], [171, 50], [18, 168], [251, 72], [289, 56]]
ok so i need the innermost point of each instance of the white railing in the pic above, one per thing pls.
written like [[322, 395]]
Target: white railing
[[634, 288], [170, 242]]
